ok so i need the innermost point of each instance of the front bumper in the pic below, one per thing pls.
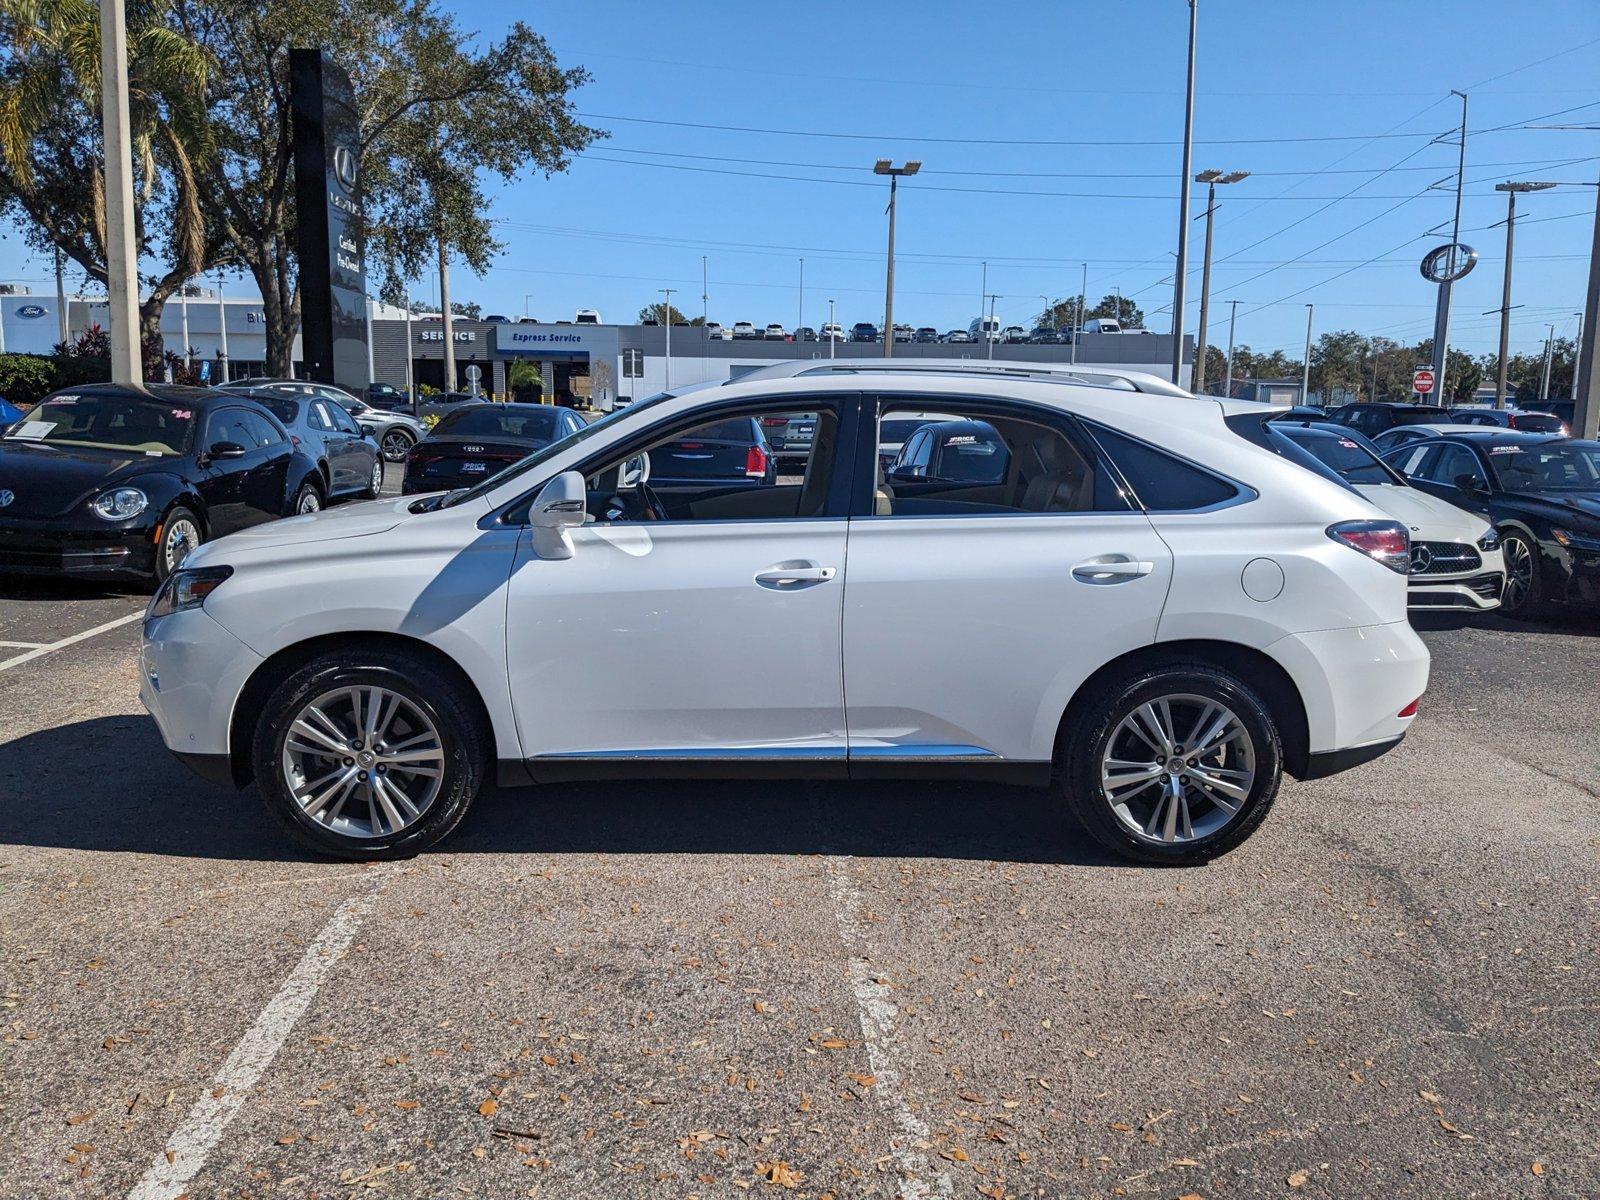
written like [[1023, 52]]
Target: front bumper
[[191, 671], [1469, 593], [77, 550]]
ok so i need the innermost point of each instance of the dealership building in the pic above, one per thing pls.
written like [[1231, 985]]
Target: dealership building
[[600, 363]]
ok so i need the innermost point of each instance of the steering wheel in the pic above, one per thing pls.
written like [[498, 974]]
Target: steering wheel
[[654, 510], [637, 503]]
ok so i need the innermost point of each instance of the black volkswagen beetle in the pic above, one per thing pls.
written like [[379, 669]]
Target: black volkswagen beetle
[[1541, 492], [113, 481]]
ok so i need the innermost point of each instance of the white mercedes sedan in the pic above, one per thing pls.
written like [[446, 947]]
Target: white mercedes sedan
[[1089, 581]]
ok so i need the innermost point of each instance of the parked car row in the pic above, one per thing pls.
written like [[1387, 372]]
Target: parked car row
[[868, 332]]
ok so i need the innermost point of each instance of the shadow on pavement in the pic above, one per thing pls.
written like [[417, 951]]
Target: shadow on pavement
[[28, 587], [109, 785], [1573, 622]]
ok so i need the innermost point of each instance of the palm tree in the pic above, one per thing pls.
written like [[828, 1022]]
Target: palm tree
[[51, 146]]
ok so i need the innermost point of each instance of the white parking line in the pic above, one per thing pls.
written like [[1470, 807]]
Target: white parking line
[[39, 651], [919, 1176], [192, 1142], [22, 645]]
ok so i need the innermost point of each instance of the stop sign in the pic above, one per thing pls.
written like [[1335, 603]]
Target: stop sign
[[1422, 380]]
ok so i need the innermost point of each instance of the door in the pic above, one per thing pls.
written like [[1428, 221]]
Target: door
[[264, 478], [709, 632], [977, 602], [356, 452], [1442, 470], [221, 480]]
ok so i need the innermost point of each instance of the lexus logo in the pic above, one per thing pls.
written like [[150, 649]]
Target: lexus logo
[[1421, 559], [345, 167], [6, 497]]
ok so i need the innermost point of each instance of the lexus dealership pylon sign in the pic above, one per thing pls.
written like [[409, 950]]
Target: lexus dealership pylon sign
[[331, 233]]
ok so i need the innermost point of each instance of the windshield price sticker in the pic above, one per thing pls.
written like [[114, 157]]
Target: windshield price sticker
[[1505, 449], [33, 430]]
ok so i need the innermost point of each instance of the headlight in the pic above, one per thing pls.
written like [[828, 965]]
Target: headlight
[[1490, 540], [1576, 541], [186, 589], [119, 504]]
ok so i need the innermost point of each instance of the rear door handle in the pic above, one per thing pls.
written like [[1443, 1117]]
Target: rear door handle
[[790, 576], [1111, 568]]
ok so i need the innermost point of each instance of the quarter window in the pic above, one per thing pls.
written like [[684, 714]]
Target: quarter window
[[1162, 481]]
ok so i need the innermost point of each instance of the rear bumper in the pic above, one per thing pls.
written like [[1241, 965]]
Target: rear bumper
[[1331, 762], [1354, 683]]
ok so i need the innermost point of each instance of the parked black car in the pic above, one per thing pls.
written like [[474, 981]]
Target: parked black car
[[114, 481], [864, 331], [387, 397], [1541, 492], [1373, 417], [442, 404], [1509, 418], [1303, 412], [734, 452], [348, 458], [478, 440]]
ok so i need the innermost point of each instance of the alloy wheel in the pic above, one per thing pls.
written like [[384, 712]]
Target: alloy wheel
[[396, 446], [1519, 573], [181, 537], [377, 475], [363, 761], [1178, 768], [310, 502]]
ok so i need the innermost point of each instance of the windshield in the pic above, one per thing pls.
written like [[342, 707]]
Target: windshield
[[545, 453], [1353, 462], [128, 423], [495, 420], [1547, 466]]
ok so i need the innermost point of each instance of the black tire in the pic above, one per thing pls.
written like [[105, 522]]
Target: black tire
[[303, 497], [374, 487], [166, 556], [1522, 599], [438, 696], [1085, 743], [395, 445]]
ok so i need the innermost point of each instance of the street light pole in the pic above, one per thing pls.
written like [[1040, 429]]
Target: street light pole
[[1211, 179], [1305, 367], [1082, 297], [884, 167], [1441, 320], [802, 320], [1577, 347], [1510, 189], [1549, 347], [122, 256], [1183, 207], [991, 330], [1233, 315], [833, 340], [666, 319], [222, 326]]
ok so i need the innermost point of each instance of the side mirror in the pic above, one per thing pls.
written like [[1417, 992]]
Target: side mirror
[[562, 504], [1471, 485], [226, 450], [905, 475]]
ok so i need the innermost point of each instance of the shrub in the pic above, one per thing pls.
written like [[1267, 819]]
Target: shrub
[[25, 379]]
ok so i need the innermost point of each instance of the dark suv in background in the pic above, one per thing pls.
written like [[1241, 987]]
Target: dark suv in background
[[1374, 417]]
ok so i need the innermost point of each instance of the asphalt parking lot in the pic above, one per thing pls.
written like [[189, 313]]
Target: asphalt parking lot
[[813, 989]]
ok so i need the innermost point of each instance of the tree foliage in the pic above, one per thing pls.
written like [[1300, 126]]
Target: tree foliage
[[1063, 313], [660, 313]]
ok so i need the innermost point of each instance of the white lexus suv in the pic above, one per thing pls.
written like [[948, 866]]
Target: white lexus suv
[[1091, 581]]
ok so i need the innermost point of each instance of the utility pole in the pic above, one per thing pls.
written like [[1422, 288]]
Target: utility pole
[[1549, 347], [1305, 367], [122, 255], [444, 311], [983, 295], [1183, 209], [61, 299], [666, 319], [885, 167], [1233, 315], [411, 383], [1577, 347], [801, 322], [1082, 297], [222, 327], [1441, 320], [1586, 412], [991, 330], [1510, 189], [1211, 179]]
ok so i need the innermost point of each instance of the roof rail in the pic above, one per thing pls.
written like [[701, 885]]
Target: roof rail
[[1128, 381]]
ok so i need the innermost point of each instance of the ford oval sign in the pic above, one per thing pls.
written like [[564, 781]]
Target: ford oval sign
[[32, 312]]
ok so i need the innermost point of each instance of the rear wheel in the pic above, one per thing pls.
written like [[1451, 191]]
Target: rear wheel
[[180, 533], [1523, 594], [369, 754], [374, 480], [307, 500], [1173, 764]]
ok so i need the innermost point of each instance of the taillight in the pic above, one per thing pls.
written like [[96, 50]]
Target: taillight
[[1386, 542], [1511, 421], [294, 441], [774, 422], [755, 462], [419, 455]]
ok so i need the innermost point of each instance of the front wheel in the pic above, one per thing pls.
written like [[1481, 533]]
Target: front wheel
[[1173, 765], [369, 754], [1523, 593], [180, 533], [396, 445]]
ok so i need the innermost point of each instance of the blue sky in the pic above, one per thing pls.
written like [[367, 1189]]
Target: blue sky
[[638, 212]]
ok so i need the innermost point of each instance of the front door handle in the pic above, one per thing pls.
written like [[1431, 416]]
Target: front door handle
[[790, 576], [1111, 568]]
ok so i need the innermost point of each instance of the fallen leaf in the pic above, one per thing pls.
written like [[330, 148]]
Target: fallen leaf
[[779, 1172], [80, 1118], [1537, 1168], [862, 1078], [288, 1139], [1298, 1178], [406, 1105], [833, 1043], [489, 1107]]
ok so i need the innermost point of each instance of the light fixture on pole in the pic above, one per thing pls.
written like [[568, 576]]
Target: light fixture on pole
[[1510, 189], [1211, 179], [1183, 208], [122, 254], [666, 319], [885, 167], [1305, 367]]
